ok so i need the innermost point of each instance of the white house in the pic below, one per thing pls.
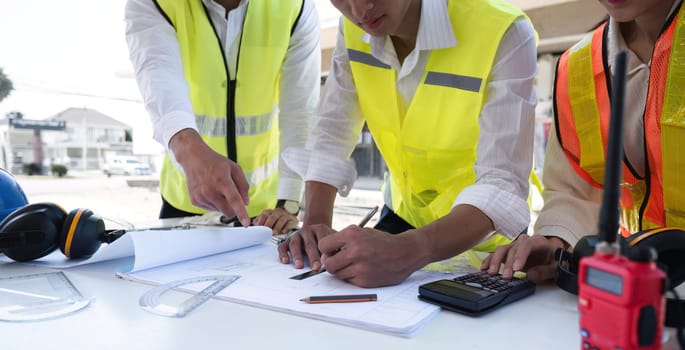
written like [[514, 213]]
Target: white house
[[80, 138]]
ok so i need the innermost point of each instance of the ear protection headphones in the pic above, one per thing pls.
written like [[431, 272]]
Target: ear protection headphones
[[669, 244], [35, 230]]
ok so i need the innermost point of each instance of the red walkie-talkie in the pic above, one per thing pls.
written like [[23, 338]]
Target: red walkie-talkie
[[620, 298]]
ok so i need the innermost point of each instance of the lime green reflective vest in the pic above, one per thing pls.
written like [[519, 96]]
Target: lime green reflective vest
[[430, 151], [246, 130]]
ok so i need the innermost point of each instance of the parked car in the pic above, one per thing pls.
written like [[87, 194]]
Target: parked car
[[126, 166]]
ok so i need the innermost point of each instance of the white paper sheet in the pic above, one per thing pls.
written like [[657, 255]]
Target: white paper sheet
[[265, 283]]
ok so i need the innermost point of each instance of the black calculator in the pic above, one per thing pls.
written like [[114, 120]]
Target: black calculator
[[476, 293]]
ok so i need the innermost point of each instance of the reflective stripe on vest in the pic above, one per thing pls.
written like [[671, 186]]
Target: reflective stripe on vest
[[245, 125], [430, 152], [658, 201], [263, 44], [665, 125]]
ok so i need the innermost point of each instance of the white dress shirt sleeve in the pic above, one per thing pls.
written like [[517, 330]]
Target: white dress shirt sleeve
[[155, 54], [299, 95], [336, 128], [572, 205], [505, 146]]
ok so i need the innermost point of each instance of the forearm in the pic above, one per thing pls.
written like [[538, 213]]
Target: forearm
[[463, 228], [186, 145], [319, 200]]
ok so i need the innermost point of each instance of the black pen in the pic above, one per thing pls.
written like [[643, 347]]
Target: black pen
[[349, 298]]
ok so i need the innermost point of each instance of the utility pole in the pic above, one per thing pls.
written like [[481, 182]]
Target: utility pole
[[84, 151]]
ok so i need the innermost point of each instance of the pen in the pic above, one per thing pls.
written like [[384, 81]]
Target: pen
[[350, 298], [368, 216]]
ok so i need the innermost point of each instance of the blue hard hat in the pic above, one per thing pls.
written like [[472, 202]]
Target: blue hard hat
[[12, 197]]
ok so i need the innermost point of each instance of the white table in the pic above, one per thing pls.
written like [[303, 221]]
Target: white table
[[546, 320]]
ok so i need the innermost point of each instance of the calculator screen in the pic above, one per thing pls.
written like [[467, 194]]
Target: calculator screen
[[448, 287], [603, 280]]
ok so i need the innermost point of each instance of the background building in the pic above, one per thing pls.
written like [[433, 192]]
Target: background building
[[85, 140]]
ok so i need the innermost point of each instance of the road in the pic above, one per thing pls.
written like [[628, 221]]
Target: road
[[112, 198]]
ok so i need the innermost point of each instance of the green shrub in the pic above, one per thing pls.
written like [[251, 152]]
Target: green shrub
[[31, 169], [58, 170]]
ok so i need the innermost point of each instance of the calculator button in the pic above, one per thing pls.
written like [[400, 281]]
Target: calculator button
[[474, 284]]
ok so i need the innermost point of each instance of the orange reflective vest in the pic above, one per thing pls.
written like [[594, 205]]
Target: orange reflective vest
[[582, 113]]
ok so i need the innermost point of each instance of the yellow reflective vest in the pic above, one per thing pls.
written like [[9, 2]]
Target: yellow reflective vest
[[430, 151], [236, 116]]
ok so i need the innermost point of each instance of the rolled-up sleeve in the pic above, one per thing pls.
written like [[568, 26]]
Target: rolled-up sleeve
[[335, 131], [299, 95], [155, 54], [505, 147]]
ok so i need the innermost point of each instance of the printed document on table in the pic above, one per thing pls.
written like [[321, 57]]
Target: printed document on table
[[265, 282]]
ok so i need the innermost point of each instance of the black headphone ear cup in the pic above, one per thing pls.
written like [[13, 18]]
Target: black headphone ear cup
[[44, 219], [81, 234], [669, 243]]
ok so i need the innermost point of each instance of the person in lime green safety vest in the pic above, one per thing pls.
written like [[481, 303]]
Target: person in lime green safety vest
[[652, 195], [227, 84], [446, 90]]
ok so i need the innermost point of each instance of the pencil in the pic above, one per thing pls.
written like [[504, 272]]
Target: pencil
[[350, 298]]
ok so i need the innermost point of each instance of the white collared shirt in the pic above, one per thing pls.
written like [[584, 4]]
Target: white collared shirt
[[505, 147], [154, 52]]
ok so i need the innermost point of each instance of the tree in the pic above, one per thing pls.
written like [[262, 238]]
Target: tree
[[5, 85], [14, 115]]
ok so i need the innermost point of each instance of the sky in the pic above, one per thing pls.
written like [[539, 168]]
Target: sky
[[73, 53]]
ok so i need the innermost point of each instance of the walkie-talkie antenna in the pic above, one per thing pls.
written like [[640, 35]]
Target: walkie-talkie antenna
[[608, 216]]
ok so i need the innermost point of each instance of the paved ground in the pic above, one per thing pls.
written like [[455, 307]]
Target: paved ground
[[114, 198]]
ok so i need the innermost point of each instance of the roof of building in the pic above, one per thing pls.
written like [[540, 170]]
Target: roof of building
[[93, 117]]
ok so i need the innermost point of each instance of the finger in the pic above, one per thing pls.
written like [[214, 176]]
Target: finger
[[339, 264], [288, 223], [261, 219], [342, 270], [486, 263], [507, 270], [497, 257], [270, 220], [310, 244], [279, 226], [542, 273], [518, 256], [233, 201], [332, 244], [283, 255], [294, 244], [291, 224], [518, 261]]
